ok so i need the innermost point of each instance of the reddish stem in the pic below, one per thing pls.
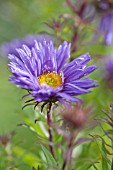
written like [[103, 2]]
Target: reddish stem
[[71, 5], [68, 153], [75, 39], [49, 121]]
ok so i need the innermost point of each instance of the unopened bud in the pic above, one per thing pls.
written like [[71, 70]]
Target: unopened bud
[[75, 116]]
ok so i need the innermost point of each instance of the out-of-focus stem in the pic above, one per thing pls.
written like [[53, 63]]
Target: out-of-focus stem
[[74, 41], [71, 5], [49, 121], [9, 154], [75, 33], [68, 152]]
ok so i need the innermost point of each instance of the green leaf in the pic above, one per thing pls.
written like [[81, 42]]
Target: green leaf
[[104, 160], [48, 156], [35, 127], [86, 167], [95, 167]]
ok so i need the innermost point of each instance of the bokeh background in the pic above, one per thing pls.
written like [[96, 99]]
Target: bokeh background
[[19, 18]]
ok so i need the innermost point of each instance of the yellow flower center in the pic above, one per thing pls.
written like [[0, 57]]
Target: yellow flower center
[[51, 79]]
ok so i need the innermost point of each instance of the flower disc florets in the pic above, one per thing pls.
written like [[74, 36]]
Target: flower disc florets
[[51, 79], [44, 72]]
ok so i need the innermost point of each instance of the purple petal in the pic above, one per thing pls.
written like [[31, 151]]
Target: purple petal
[[77, 63], [67, 97], [74, 90], [62, 54]]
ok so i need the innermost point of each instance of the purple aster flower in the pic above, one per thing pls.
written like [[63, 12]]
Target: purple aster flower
[[44, 72], [10, 47], [104, 9], [108, 63]]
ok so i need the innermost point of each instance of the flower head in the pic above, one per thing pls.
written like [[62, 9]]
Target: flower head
[[44, 72], [109, 65], [10, 47], [104, 9], [75, 116], [108, 77]]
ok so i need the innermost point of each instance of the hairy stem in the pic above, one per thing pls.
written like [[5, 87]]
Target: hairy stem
[[49, 121]]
